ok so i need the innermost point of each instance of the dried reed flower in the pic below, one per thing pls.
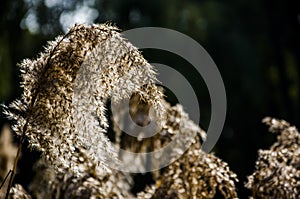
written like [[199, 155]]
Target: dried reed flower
[[277, 170], [195, 174], [62, 107]]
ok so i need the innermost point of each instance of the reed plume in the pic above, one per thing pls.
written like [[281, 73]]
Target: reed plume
[[277, 170], [195, 174], [62, 107]]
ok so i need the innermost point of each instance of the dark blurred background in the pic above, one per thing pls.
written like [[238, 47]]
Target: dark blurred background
[[255, 44]]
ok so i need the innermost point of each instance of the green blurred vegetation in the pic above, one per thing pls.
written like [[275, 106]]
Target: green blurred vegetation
[[255, 44]]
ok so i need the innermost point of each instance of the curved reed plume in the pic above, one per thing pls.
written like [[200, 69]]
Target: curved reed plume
[[62, 107]]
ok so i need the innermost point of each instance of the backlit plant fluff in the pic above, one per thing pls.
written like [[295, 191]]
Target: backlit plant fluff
[[62, 108], [277, 173], [195, 174], [63, 114]]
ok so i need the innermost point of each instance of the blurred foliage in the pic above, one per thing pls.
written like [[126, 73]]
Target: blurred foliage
[[255, 44]]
